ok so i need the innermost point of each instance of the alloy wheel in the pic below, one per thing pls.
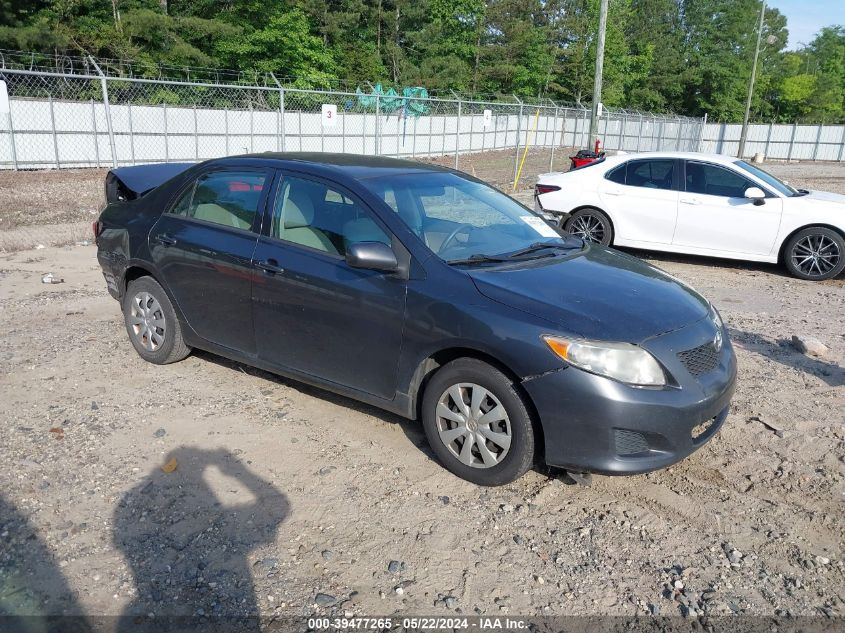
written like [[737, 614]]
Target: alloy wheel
[[588, 227], [473, 425], [816, 255], [146, 319]]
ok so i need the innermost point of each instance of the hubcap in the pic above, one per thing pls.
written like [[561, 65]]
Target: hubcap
[[588, 227], [473, 425], [816, 255], [146, 319]]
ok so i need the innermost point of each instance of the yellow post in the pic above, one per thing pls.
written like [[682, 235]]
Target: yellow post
[[525, 153]]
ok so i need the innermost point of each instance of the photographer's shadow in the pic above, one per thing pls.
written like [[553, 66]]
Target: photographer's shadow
[[187, 535]]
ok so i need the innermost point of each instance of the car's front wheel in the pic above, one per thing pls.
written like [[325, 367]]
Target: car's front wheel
[[590, 225], [815, 253], [152, 324], [477, 423]]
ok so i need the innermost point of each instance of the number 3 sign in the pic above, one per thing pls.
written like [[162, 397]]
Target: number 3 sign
[[329, 115]]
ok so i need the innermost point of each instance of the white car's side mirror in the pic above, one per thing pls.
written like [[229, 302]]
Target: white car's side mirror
[[756, 194]]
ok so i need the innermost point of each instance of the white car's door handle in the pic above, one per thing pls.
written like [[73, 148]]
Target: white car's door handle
[[613, 192], [689, 201]]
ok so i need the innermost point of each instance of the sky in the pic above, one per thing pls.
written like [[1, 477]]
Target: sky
[[804, 18]]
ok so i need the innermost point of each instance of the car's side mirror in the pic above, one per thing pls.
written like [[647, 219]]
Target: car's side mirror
[[756, 194], [372, 256]]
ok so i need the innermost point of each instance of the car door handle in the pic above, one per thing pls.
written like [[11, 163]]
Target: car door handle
[[165, 240], [613, 192], [271, 267], [690, 201]]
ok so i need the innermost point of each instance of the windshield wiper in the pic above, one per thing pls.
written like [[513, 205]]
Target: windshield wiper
[[477, 258], [536, 246]]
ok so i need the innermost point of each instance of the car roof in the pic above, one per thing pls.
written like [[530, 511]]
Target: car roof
[[352, 165], [713, 158]]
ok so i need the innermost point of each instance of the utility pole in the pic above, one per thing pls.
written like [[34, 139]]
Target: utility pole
[[594, 115], [744, 132]]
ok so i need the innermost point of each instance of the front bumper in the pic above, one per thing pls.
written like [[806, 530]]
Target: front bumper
[[595, 424]]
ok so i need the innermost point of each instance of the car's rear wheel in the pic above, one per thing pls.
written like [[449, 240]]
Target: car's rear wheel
[[815, 253], [591, 225], [152, 324], [477, 423]]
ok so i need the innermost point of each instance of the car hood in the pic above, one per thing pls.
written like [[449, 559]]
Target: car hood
[[824, 196], [599, 294]]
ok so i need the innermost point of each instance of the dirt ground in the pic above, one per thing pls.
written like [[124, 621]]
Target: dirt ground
[[287, 500]]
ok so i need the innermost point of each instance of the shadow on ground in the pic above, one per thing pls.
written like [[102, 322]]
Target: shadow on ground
[[781, 351], [187, 535], [34, 595]]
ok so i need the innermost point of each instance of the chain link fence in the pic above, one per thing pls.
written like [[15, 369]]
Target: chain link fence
[[88, 118]]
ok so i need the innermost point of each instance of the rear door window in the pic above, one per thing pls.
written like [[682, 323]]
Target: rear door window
[[228, 198], [617, 174], [651, 173]]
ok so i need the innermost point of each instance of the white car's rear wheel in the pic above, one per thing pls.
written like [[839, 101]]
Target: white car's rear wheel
[[591, 225]]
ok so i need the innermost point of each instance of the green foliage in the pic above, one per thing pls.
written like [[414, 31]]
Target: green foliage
[[686, 56]]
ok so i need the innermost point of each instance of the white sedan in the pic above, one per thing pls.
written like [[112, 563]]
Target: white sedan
[[701, 204]]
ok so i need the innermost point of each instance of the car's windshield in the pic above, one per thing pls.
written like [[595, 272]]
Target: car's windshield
[[463, 221], [766, 177]]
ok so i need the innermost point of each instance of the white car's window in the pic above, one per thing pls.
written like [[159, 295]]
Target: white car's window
[[713, 180], [651, 173], [766, 177], [617, 174]]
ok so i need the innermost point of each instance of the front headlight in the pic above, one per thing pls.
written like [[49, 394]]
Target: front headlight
[[716, 317], [621, 361]]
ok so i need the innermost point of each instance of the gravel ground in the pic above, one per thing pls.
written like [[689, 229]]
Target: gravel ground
[[286, 500]]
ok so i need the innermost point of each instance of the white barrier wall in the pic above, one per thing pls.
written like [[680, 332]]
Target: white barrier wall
[[55, 133]]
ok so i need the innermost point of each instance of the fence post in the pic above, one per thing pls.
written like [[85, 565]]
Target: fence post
[[96, 133], [281, 110], [768, 139], [226, 128], [166, 143], [584, 130], [251, 132], [792, 141], [701, 133], [12, 137], [518, 139], [196, 135], [554, 139], [640, 133], [842, 145], [458, 135], [55, 138], [378, 125], [678, 140], [132, 132], [818, 140], [105, 88]]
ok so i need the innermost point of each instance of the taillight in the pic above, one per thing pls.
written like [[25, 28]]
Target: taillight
[[95, 228], [541, 189]]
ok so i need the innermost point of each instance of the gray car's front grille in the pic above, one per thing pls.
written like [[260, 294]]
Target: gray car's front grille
[[700, 360]]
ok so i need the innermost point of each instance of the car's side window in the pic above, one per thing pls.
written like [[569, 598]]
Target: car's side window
[[651, 173], [312, 214], [183, 204], [617, 174], [228, 198], [713, 180]]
